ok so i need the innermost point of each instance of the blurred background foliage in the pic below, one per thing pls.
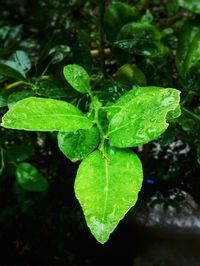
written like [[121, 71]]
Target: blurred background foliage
[[121, 44]]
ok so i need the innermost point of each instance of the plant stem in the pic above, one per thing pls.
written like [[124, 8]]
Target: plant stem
[[16, 84], [190, 114], [96, 107]]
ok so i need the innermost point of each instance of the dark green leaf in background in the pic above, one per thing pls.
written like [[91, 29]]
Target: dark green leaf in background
[[116, 15], [188, 52], [17, 96], [29, 178]]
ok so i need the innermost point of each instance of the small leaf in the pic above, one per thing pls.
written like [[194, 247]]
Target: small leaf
[[77, 77], [40, 114], [58, 53], [22, 60], [107, 188], [143, 118], [29, 178], [77, 145]]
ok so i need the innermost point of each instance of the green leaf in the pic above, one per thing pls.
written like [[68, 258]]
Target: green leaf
[[139, 31], [40, 114], [188, 51], [127, 97], [116, 15], [10, 72], [107, 188], [77, 145], [29, 178], [58, 53], [22, 60], [19, 152], [130, 74], [147, 48], [77, 77], [17, 96], [17, 66], [3, 98], [143, 118], [192, 5], [55, 88], [142, 39]]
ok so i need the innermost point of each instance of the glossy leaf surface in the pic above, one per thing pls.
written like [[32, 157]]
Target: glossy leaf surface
[[30, 178], [142, 39], [143, 118], [127, 97], [77, 145], [41, 114], [77, 77], [107, 188]]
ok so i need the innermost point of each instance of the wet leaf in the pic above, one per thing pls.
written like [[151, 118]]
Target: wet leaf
[[77, 77], [143, 118], [142, 39], [107, 188], [40, 114], [77, 145], [29, 178], [147, 48], [127, 97]]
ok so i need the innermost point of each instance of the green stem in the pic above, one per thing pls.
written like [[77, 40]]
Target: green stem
[[96, 107], [16, 84], [190, 114]]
